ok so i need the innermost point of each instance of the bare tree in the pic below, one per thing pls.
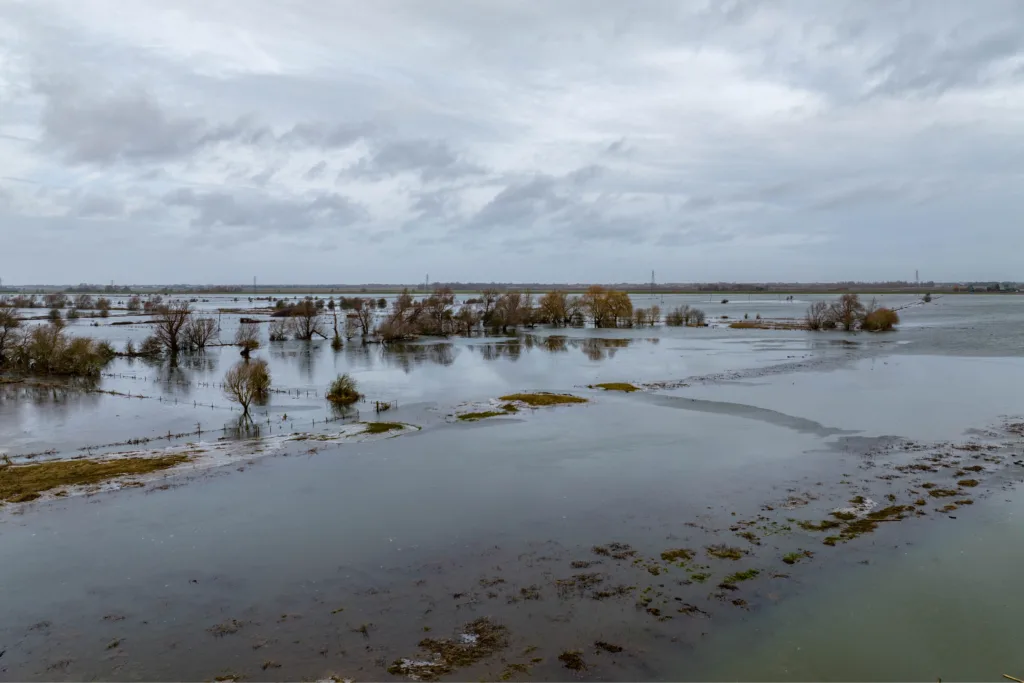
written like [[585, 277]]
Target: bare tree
[[247, 382], [247, 336], [9, 324], [508, 310], [83, 302], [103, 306], [467, 318], [134, 303], [364, 309], [198, 333], [278, 330], [169, 321], [490, 296], [817, 315], [848, 311], [437, 311], [655, 315], [307, 321]]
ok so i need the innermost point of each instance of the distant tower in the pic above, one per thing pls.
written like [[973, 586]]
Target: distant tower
[[652, 284], [917, 278]]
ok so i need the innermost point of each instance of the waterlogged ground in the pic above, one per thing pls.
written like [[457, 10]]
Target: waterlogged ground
[[769, 505]]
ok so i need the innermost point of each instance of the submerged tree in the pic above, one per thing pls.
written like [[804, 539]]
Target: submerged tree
[[247, 382], [9, 324], [169, 322], [848, 311], [198, 333], [247, 337], [818, 314], [306, 321]]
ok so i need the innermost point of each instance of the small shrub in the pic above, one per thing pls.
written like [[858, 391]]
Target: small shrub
[[343, 390], [278, 329], [247, 336], [880, 320], [151, 347]]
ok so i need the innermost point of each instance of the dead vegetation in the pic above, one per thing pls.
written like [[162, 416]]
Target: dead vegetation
[[475, 641], [22, 483], [615, 386], [539, 399]]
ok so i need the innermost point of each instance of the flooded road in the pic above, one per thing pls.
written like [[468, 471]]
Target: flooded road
[[728, 507]]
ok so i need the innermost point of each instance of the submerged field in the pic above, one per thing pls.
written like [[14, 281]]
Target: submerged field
[[655, 503]]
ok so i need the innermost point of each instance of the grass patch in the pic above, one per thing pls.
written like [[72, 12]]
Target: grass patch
[[483, 415], [823, 525], [793, 558], [746, 575], [677, 555], [615, 386], [942, 493], [724, 552], [22, 483], [382, 427], [969, 483], [539, 399]]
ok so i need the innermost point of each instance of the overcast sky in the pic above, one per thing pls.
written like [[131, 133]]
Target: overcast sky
[[315, 141]]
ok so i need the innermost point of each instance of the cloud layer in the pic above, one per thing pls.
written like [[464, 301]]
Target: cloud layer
[[584, 140]]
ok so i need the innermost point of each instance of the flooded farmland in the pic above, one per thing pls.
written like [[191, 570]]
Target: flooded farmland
[[758, 504]]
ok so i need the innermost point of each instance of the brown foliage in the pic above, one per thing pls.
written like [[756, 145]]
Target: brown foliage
[[880, 320]]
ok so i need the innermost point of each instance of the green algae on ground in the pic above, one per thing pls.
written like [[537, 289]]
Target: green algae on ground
[[538, 399], [943, 493], [615, 386], [969, 483], [677, 555], [382, 427], [476, 641], [745, 575], [22, 483], [793, 558], [724, 552]]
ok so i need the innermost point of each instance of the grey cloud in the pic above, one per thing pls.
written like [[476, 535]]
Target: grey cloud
[[129, 127], [521, 204], [133, 127], [430, 159], [927, 64], [327, 136], [257, 211], [315, 171], [97, 206]]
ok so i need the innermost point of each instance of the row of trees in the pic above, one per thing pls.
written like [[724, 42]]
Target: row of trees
[[849, 313], [48, 350]]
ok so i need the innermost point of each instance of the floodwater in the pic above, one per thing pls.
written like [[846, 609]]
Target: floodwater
[[320, 558]]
